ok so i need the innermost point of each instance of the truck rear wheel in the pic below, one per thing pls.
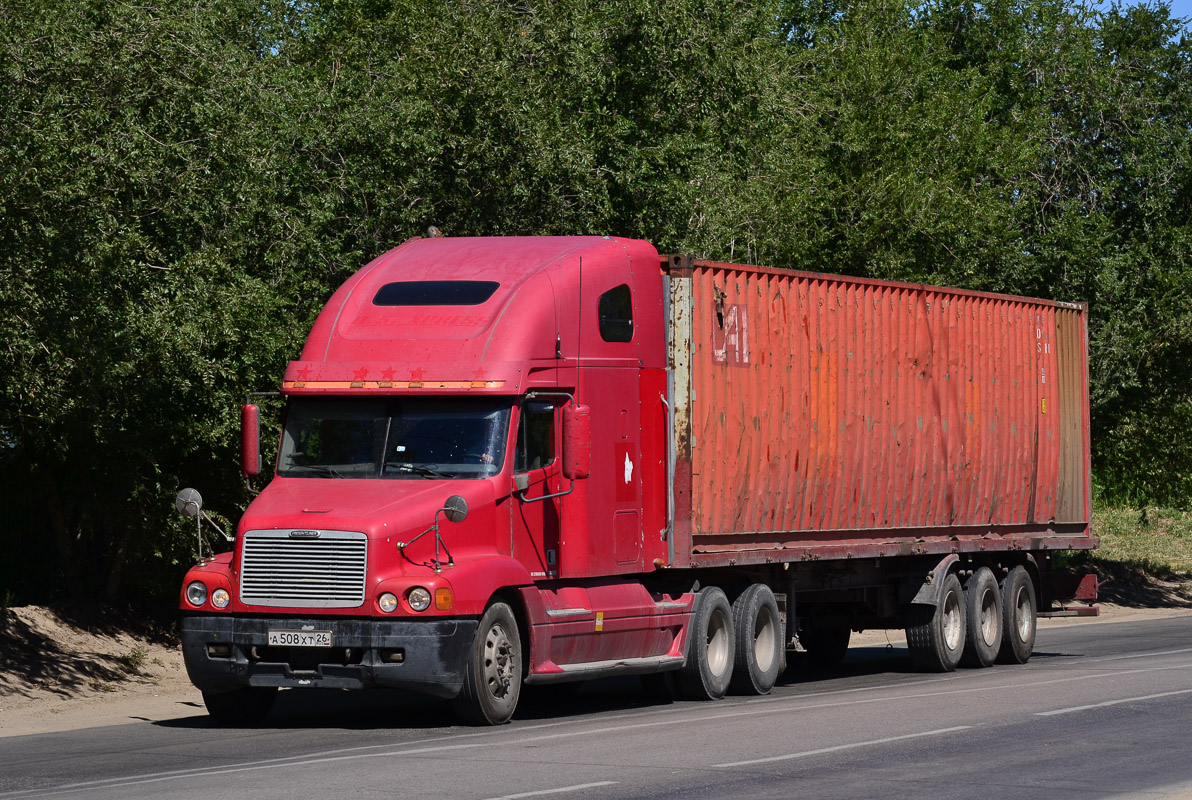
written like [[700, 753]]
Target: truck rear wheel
[[1019, 617], [759, 644], [493, 673], [935, 635], [983, 619], [710, 648], [241, 707]]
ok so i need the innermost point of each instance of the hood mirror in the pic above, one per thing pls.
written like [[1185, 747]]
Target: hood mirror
[[455, 508], [189, 502]]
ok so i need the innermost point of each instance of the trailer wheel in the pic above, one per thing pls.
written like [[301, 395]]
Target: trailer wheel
[[710, 648], [493, 673], [826, 647], [758, 652], [246, 707], [935, 635], [983, 619], [1019, 617]]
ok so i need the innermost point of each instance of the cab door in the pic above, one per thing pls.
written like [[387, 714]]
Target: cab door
[[536, 476]]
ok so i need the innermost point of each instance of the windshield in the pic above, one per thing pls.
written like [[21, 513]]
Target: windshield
[[393, 438]]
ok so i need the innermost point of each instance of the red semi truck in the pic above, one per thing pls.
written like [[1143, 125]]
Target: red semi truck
[[517, 461]]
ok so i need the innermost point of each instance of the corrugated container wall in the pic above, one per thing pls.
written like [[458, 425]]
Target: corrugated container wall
[[817, 408]]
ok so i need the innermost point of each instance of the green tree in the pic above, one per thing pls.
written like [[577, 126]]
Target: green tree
[[182, 186], [136, 281]]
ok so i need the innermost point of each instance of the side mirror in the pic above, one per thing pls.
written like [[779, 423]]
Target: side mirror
[[250, 441], [455, 508], [577, 441], [189, 502]]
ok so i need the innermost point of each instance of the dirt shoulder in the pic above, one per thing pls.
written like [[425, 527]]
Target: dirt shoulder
[[63, 672]]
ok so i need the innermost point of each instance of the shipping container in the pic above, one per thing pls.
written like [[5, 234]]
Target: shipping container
[[822, 416]]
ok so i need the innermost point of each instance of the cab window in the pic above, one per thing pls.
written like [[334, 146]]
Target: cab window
[[535, 437]]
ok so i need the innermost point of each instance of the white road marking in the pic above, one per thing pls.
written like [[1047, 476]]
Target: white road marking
[[1074, 709], [560, 790], [1149, 654], [839, 747]]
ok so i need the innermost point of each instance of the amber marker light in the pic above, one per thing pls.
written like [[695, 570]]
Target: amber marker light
[[444, 599]]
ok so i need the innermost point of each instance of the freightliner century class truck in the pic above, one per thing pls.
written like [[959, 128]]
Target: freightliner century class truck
[[516, 461]]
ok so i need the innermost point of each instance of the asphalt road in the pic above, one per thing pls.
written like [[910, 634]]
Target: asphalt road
[[1100, 711]]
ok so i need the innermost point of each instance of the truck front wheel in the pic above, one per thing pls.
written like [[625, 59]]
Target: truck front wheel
[[241, 707], [935, 635], [493, 673], [710, 648]]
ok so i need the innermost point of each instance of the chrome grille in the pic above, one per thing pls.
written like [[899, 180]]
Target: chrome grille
[[327, 571]]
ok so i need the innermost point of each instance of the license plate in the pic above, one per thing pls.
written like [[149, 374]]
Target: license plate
[[284, 638]]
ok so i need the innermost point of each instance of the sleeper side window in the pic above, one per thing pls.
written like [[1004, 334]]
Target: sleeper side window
[[616, 314]]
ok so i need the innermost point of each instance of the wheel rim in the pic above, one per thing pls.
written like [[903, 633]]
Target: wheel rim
[[952, 622], [1022, 614], [988, 617], [500, 662], [763, 641], [719, 646]]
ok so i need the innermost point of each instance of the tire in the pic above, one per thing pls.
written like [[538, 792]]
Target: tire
[[1019, 617], [758, 654], [245, 708], [710, 648], [935, 635], [983, 619], [493, 672], [827, 647]]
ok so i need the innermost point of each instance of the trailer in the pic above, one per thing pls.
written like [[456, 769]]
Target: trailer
[[525, 460]]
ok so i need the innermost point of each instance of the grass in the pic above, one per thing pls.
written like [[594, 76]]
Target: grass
[[135, 658], [1157, 540]]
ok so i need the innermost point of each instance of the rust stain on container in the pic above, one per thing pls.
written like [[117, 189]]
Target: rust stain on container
[[814, 403]]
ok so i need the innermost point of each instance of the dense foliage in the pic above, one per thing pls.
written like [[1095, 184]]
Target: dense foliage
[[183, 184]]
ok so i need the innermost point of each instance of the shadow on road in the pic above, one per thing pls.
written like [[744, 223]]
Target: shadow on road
[[390, 709]]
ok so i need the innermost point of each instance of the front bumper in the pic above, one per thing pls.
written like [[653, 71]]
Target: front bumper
[[425, 656]]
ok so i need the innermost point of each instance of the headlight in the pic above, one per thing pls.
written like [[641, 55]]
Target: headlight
[[387, 602], [196, 593], [418, 598], [220, 598]]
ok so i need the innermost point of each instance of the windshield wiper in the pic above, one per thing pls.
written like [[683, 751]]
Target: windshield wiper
[[320, 469], [418, 469]]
